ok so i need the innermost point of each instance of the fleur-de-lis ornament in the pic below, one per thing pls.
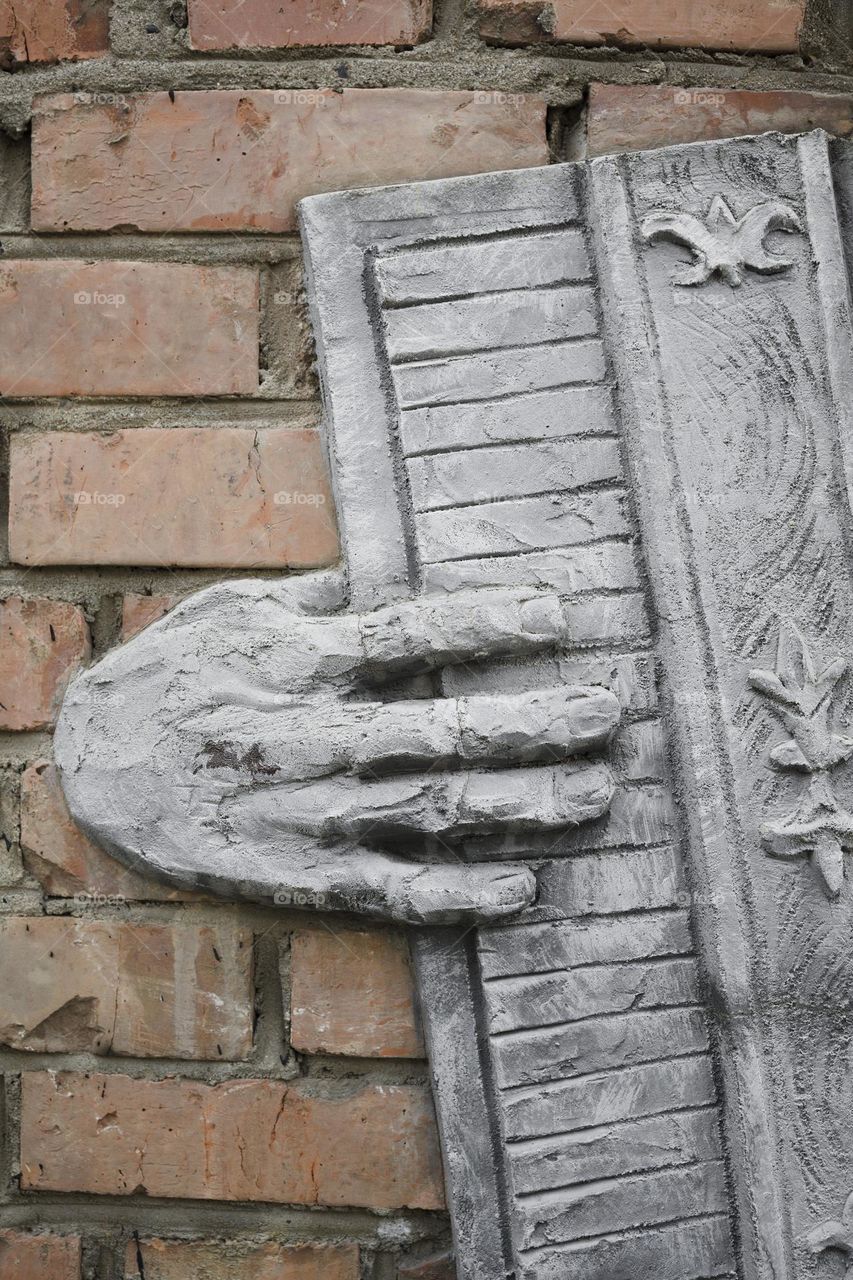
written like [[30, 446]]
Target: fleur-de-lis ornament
[[801, 695], [724, 244]]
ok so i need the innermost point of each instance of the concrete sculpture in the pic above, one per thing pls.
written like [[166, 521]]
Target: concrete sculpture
[[556, 399]]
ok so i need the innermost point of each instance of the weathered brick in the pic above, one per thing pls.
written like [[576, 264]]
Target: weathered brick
[[53, 30], [754, 26], [243, 1140], [67, 864], [71, 328], [138, 612], [39, 1257], [232, 160], [237, 1260], [186, 496], [352, 993], [182, 991], [257, 24], [43, 641], [627, 118]]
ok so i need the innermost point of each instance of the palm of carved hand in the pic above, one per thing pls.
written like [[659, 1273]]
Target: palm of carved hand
[[241, 745]]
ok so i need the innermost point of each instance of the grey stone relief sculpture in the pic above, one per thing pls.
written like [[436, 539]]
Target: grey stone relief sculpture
[[575, 708]]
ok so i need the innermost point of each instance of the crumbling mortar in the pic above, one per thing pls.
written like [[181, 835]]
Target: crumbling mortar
[[110, 1225], [560, 73], [333, 1078], [252, 248], [115, 415], [272, 1044], [10, 1114]]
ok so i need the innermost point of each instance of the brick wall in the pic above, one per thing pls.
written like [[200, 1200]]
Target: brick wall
[[190, 1089]]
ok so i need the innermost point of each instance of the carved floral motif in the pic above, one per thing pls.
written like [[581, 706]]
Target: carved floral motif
[[817, 827], [723, 244]]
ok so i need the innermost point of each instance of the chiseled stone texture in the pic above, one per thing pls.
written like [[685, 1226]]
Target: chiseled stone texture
[[375, 1147], [635, 117], [233, 1260], [73, 328], [232, 160], [257, 24], [43, 642], [53, 30], [224, 497], [39, 1257], [754, 26], [352, 993], [162, 991], [62, 859]]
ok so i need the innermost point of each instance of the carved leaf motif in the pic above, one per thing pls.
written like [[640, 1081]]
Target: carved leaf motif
[[801, 695], [723, 244], [818, 829], [796, 669]]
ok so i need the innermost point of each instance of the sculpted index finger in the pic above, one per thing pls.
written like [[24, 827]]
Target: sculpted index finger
[[437, 631]]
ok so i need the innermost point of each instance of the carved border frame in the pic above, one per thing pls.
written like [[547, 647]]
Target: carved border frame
[[341, 236], [714, 824]]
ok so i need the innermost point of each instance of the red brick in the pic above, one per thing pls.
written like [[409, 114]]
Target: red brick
[[138, 612], [71, 328], [43, 642], [147, 991], [642, 116], [232, 160], [244, 1140], [53, 30], [352, 993], [64, 861], [196, 496], [236, 1260], [257, 24], [754, 26], [39, 1257]]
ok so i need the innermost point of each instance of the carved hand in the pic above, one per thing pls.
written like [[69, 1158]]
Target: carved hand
[[243, 745]]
